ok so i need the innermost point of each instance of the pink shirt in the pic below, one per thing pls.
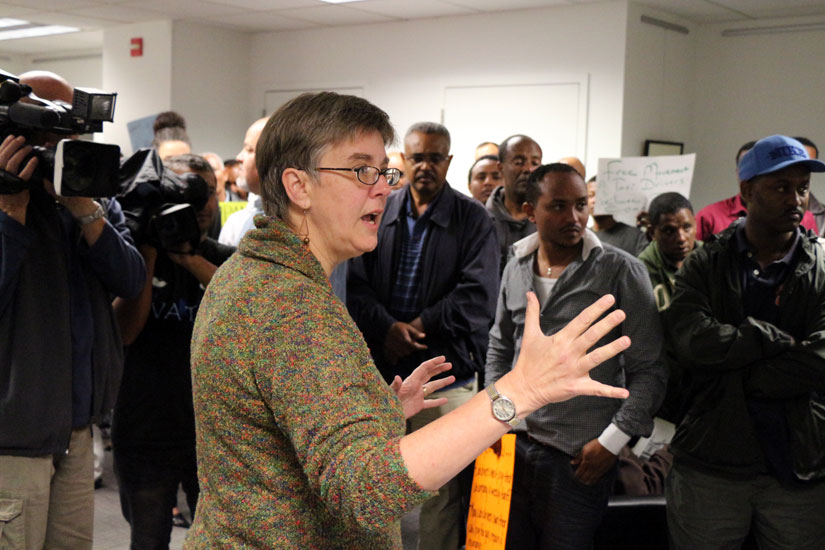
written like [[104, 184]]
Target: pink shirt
[[718, 216]]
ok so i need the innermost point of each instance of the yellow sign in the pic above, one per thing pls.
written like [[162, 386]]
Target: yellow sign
[[490, 499]]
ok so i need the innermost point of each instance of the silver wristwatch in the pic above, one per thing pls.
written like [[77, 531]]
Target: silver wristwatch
[[89, 218], [503, 407]]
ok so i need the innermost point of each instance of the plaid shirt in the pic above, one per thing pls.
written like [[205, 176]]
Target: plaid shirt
[[405, 304], [602, 269], [456, 290]]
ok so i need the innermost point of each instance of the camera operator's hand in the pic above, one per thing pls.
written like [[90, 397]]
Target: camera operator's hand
[[12, 153], [193, 262], [80, 207]]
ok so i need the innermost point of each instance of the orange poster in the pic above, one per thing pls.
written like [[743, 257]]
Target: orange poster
[[490, 499]]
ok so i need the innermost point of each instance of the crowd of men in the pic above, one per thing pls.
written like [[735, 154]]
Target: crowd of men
[[725, 312]]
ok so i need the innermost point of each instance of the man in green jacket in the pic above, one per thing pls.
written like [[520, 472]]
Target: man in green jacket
[[747, 322], [673, 231]]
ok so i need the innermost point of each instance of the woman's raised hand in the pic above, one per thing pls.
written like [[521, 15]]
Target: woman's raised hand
[[555, 368]]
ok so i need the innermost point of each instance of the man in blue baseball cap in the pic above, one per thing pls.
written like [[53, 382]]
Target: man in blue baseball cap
[[774, 153], [747, 321]]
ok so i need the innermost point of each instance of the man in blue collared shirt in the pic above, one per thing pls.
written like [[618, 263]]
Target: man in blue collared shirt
[[429, 289]]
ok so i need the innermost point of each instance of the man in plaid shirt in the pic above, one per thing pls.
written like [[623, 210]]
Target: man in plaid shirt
[[429, 289]]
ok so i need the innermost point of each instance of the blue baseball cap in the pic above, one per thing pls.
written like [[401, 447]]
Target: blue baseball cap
[[775, 153]]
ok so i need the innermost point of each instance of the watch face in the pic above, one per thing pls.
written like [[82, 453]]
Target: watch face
[[504, 409]]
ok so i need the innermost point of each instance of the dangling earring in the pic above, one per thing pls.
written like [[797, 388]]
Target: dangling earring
[[303, 231]]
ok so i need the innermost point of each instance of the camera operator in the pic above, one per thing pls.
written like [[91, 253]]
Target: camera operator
[[61, 260], [153, 432]]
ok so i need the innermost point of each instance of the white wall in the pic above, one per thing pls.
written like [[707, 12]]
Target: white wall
[[81, 68], [12, 63], [210, 86], [658, 91], [143, 84], [750, 87], [404, 67]]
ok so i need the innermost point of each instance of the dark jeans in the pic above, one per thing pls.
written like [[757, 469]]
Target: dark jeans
[[148, 483], [550, 508]]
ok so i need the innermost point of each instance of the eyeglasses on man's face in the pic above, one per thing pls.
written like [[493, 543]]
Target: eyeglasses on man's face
[[369, 175], [432, 158]]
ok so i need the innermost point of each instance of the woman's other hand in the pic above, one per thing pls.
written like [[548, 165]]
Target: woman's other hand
[[414, 389]]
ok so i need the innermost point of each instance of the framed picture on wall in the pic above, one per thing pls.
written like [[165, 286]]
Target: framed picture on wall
[[656, 148]]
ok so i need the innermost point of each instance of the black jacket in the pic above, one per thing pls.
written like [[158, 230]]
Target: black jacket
[[730, 358], [36, 321], [459, 284]]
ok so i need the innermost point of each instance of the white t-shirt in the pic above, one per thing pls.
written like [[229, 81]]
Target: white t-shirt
[[544, 287], [242, 221]]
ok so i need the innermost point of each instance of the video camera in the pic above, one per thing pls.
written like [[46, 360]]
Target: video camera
[[77, 168], [160, 206], [177, 222]]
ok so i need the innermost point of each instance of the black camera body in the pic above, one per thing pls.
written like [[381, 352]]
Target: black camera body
[[177, 223], [174, 225], [77, 168]]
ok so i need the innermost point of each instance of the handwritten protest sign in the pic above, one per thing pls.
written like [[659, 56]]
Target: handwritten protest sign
[[490, 498], [627, 185]]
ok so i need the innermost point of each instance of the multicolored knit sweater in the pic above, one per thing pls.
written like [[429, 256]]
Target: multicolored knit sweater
[[298, 435]]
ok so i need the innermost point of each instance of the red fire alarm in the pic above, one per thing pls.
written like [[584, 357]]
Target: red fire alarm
[[137, 47]]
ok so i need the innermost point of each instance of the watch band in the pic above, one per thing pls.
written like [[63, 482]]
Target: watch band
[[493, 392], [89, 218]]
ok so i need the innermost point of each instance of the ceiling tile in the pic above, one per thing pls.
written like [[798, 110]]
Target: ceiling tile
[[187, 9], [53, 5], [499, 5], [332, 15], [121, 13], [403, 9], [267, 5], [261, 22]]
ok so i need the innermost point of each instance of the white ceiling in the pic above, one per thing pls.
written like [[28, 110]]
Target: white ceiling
[[91, 16]]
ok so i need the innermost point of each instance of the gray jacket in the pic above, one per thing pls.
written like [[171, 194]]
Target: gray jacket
[[602, 269]]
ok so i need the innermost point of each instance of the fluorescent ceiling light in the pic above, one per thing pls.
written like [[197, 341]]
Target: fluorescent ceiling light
[[7, 22], [340, 1], [30, 32]]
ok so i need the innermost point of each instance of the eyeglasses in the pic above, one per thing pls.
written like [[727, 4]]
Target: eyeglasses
[[368, 175], [432, 158]]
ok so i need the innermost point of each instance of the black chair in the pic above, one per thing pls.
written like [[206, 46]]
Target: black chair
[[633, 523], [639, 523]]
